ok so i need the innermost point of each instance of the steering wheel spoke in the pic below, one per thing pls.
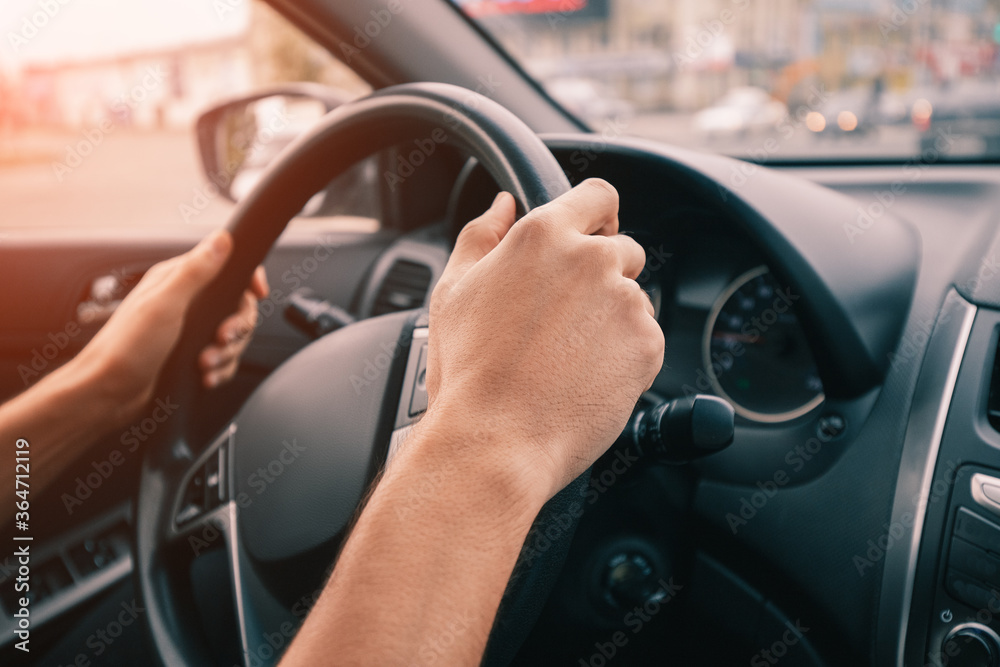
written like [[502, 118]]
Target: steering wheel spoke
[[204, 489]]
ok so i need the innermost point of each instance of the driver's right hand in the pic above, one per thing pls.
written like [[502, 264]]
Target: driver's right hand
[[539, 332]]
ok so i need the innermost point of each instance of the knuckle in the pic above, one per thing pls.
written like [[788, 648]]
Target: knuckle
[[440, 292], [629, 297], [538, 225], [604, 255], [470, 230], [603, 190], [651, 346], [594, 255]]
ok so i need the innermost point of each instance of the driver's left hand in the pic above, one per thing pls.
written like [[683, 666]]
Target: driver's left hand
[[129, 352]]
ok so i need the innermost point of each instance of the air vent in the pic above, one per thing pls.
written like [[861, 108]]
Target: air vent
[[993, 401], [404, 287]]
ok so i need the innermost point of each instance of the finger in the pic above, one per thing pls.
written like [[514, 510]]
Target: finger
[[220, 376], [258, 284], [483, 234], [641, 296], [239, 325], [648, 303], [589, 208], [197, 267], [631, 256], [214, 357]]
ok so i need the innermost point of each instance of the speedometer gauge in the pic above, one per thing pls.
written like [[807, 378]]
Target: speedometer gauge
[[755, 352]]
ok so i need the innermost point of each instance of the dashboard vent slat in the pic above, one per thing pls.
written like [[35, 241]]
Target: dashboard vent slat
[[405, 287], [993, 400]]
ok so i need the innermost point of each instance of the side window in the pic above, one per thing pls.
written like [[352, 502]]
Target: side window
[[98, 112]]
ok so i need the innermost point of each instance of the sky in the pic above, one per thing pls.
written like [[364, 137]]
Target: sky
[[57, 31]]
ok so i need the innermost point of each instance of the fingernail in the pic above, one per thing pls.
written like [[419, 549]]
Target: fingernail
[[496, 200]]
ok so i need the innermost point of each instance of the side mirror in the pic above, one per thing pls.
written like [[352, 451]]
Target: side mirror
[[238, 138]]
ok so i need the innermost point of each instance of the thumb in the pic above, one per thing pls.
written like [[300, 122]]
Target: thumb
[[197, 267], [484, 233]]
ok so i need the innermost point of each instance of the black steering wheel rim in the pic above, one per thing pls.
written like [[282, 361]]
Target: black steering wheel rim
[[412, 115]]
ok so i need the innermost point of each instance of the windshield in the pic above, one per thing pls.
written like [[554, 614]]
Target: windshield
[[768, 79]]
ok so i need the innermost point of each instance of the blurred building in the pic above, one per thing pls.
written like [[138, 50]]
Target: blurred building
[[683, 54], [151, 68]]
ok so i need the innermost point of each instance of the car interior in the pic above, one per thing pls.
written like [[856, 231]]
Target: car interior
[[812, 479]]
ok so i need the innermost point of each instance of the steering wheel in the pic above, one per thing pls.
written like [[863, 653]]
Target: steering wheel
[[275, 491]]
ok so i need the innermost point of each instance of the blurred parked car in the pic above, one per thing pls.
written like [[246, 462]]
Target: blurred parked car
[[963, 118], [589, 100], [740, 111], [851, 112]]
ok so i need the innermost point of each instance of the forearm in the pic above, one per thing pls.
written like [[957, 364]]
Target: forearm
[[63, 413], [423, 572]]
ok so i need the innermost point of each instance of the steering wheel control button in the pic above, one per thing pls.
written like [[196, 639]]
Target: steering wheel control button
[[971, 645], [986, 492], [205, 489], [418, 402]]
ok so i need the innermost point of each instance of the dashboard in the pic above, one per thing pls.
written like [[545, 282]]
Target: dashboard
[[861, 374], [782, 517]]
